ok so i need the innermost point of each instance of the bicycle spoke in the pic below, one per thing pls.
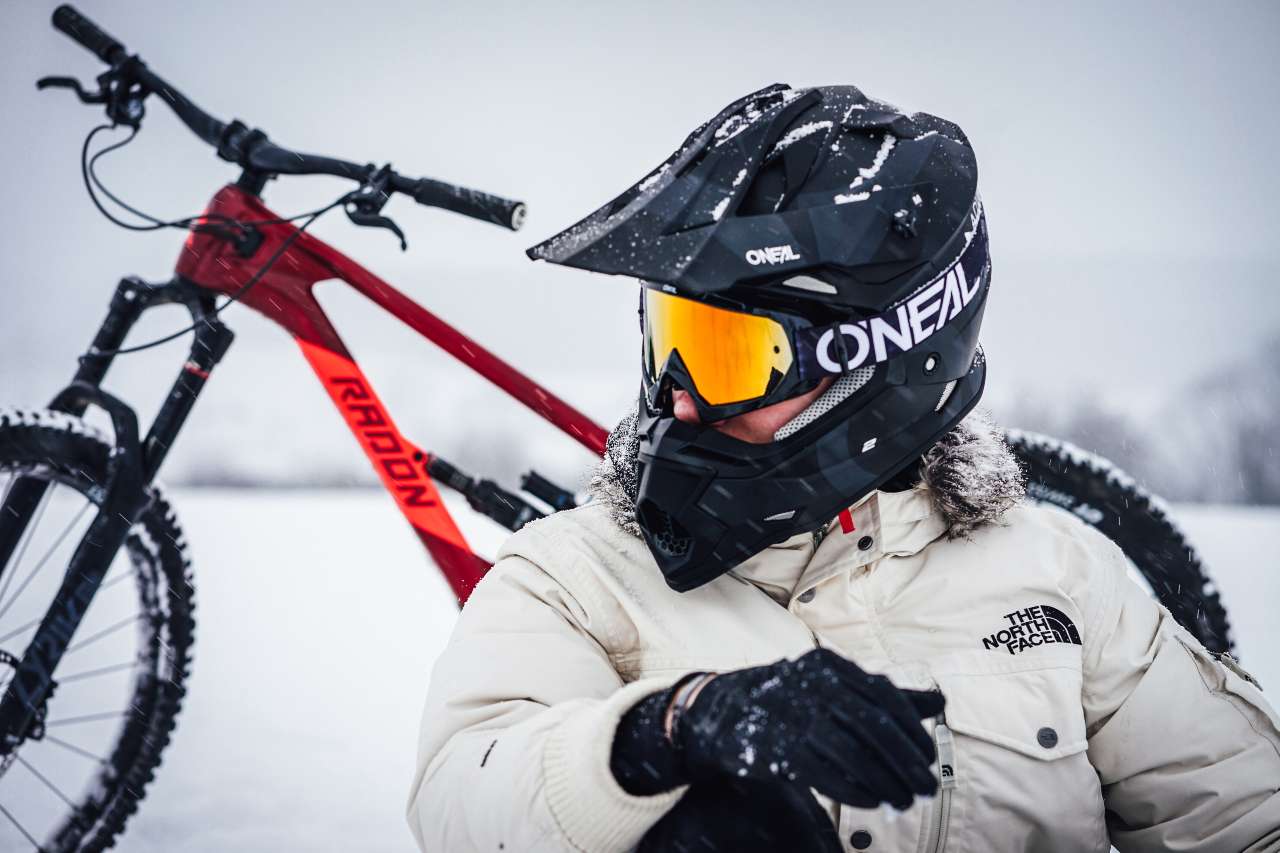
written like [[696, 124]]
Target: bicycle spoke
[[13, 480], [48, 738], [13, 820], [16, 631], [42, 778], [104, 632], [94, 673], [124, 575], [27, 535], [85, 718], [45, 558]]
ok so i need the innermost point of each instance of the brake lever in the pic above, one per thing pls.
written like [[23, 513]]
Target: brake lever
[[98, 97], [374, 220], [118, 88], [364, 205]]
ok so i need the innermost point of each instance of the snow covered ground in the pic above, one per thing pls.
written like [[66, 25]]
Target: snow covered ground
[[319, 617]]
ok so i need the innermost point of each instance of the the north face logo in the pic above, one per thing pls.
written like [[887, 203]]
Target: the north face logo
[[1035, 626]]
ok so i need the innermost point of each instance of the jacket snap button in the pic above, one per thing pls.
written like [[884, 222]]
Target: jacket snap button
[[1047, 738], [806, 596], [865, 543], [860, 840]]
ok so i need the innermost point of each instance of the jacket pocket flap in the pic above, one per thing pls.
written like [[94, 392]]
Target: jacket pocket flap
[[1035, 712]]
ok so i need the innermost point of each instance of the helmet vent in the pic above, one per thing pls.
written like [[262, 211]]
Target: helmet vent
[[811, 284], [946, 395], [666, 536], [669, 541], [841, 390]]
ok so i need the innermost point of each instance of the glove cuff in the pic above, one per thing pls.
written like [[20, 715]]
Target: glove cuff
[[646, 759]]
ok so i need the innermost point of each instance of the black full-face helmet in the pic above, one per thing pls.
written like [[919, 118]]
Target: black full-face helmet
[[800, 234]]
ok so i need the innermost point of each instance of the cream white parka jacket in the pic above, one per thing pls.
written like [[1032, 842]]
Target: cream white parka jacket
[[1079, 714]]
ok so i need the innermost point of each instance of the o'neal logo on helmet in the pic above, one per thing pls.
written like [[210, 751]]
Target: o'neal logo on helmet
[[771, 255], [897, 331], [872, 340]]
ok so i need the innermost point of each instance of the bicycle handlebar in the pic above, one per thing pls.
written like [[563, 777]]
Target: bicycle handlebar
[[88, 34], [251, 149]]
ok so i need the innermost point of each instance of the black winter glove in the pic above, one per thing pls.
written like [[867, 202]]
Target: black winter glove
[[818, 721]]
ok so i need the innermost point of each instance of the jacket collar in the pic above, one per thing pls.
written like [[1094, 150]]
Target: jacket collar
[[882, 523]]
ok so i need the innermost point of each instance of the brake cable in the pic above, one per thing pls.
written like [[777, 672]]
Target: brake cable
[[92, 181], [190, 223]]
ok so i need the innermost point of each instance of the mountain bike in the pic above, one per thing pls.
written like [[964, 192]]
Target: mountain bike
[[91, 677]]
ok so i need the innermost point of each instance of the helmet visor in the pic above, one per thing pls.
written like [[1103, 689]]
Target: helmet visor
[[730, 357]]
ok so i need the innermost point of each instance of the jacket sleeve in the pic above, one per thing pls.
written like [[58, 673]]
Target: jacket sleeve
[[518, 727], [1187, 751]]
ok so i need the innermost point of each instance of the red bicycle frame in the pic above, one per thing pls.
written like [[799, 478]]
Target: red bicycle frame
[[285, 294]]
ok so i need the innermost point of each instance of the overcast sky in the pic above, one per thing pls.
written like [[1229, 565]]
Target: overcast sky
[[1126, 156]]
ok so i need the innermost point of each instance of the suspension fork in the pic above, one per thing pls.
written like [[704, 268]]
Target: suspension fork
[[26, 493], [131, 467], [131, 299]]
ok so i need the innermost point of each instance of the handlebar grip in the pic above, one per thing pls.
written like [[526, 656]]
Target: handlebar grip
[[88, 34], [473, 203]]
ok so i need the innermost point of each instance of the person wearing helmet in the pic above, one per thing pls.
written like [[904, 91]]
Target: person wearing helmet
[[807, 608]]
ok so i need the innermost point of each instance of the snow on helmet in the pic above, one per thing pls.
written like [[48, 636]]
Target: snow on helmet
[[798, 235]]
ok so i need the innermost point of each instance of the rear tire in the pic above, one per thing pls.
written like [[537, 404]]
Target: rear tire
[[64, 450], [1099, 493]]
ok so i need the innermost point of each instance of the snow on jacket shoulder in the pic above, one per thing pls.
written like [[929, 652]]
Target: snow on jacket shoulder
[[1081, 714]]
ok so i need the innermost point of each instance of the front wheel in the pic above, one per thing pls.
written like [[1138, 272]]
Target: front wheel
[[80, 769]]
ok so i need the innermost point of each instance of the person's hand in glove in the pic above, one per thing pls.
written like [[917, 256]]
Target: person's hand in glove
[[819, 721]]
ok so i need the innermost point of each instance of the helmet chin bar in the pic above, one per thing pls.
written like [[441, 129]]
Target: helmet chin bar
[[706, 502]]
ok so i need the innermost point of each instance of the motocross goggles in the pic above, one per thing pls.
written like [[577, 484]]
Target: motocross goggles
[[734, 358], [731, 360]]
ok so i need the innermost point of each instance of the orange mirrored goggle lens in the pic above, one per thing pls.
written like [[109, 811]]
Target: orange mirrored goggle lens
[[730, 356]]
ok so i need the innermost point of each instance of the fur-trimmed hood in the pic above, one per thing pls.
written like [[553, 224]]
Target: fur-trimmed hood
[[971, 475]]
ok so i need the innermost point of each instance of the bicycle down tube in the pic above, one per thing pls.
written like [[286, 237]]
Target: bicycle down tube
[[284, 295]]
